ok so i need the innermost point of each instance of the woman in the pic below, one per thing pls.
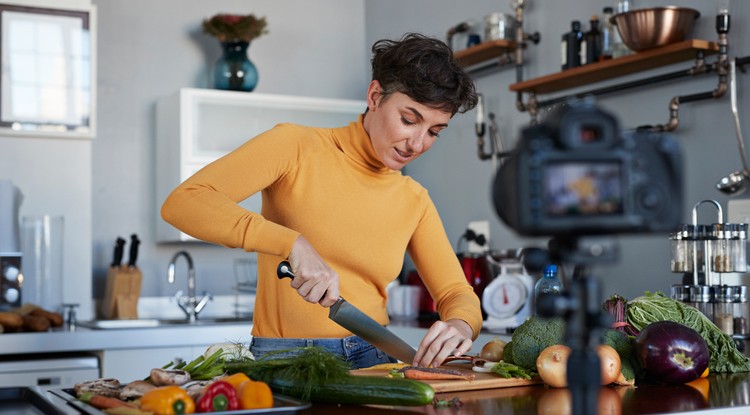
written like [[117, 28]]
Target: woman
[[336, 206]]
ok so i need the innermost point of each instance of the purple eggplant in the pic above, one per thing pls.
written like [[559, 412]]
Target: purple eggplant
[[671, 352]]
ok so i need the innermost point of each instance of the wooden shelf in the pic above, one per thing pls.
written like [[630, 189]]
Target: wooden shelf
[[601, 71], [484, 51]]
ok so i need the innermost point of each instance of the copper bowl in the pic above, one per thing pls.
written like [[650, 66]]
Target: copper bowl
[[643, 29]]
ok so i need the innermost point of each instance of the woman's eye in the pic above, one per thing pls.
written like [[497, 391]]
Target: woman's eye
[[435, 134], [406, 122]]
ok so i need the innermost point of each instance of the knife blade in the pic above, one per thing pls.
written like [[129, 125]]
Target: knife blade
[[353, 319], [119, 248], [134, 242]]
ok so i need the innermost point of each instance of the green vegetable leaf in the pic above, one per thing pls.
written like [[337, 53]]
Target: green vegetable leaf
[[652, 307]]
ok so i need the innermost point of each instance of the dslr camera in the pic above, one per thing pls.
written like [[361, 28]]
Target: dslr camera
[[577, 174]]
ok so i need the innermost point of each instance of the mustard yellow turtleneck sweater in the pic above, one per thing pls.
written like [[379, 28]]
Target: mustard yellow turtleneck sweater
[[328, 185]]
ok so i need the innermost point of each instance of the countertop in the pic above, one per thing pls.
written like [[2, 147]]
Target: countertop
[[720, 393], [725, 394]]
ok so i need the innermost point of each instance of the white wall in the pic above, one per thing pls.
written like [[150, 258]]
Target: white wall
[[150, 49], [54, 175]]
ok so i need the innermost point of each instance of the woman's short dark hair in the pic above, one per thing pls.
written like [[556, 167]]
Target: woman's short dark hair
[[423, 68]]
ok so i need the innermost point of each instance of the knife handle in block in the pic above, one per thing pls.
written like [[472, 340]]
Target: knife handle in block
[[284, 270]]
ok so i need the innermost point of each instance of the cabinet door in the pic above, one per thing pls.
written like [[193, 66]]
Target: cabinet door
[[134, 364], [198, 126]]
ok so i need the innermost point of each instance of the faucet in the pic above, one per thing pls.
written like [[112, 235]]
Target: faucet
[[190, 304]]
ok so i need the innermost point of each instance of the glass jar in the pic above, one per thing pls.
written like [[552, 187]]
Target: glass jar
[[724, 309], [738, 247], [720, 256], [684, 244], [741, 311], [680, 292], [701, 297]]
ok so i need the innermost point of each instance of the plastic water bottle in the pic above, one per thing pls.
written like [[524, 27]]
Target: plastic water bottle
[[548, 284]]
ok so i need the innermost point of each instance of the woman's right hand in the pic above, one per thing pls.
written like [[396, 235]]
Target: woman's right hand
[[314, 280]]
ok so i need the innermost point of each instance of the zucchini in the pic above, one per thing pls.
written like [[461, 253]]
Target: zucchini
[[361, 390]]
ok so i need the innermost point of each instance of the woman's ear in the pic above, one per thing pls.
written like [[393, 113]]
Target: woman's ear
[[374, 94]]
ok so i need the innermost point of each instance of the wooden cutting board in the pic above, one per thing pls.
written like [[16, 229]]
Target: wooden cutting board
[[481, 380]]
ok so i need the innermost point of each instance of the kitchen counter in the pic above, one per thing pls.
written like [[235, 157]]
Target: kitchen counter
[[725, 394]]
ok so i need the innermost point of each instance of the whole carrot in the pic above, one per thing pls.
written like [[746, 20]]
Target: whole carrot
[[105, 402]]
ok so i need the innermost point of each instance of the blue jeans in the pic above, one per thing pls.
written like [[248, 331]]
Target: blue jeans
[[356, 351]]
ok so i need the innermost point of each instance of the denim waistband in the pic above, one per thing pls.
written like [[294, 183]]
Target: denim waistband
[[346, 346]]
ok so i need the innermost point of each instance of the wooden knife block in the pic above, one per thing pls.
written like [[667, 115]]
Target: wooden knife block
[[121, 293]]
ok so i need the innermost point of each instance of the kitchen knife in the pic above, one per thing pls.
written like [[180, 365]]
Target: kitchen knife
[[134, 242], [359, 323], [119, 248]]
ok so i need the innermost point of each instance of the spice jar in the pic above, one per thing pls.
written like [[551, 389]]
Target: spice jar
[[701, 297], [724, 309], [741, 311], [738, 246], [720, 257], [680, 292], [683, 252]]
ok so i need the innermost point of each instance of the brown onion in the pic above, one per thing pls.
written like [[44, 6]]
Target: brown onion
[[493, 350], [552, 365], [610, 363]]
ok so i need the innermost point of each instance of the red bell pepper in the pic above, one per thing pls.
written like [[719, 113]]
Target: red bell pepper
[[219, 396]]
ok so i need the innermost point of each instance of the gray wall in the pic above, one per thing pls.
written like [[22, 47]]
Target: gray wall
[[459, 183], [150, 49]]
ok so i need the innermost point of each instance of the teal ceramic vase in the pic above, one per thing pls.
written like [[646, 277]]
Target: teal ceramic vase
[[234, 71]]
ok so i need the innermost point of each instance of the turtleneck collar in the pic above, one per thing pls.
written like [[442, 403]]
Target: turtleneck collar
[[354, 141]]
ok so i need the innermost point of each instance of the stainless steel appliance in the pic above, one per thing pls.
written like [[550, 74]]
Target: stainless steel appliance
[[11, 279]]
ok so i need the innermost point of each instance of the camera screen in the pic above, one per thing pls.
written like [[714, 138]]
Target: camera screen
[[583, 188]]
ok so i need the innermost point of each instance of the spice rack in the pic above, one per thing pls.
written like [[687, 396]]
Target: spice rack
[[712, 250]]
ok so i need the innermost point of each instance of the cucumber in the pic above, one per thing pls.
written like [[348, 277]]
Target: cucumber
[[361, 390]]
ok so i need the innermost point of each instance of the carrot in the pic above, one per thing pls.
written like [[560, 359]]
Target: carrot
[[105, 402], [428, 373]]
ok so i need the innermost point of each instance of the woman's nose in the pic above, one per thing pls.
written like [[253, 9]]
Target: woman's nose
[[416, 142]]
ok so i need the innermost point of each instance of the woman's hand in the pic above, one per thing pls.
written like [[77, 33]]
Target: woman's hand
[[314, 280], [443, 339]]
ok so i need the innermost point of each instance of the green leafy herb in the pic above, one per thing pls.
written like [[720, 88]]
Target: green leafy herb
[[509, 370], [311, 367]]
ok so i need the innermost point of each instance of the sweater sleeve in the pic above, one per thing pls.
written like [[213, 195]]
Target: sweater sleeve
[[205, 205], [439, 268]]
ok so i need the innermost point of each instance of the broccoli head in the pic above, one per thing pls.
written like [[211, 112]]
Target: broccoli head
[[625, 347], [533, 336], [508, 353]]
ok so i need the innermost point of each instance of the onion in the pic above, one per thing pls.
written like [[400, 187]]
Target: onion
[[493, 350], [671, 352], [610, 363], [552, 365]]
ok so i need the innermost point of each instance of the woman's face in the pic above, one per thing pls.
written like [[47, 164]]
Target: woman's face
[[400, 128]]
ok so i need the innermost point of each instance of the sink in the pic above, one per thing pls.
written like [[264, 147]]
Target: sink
[[158, 322]]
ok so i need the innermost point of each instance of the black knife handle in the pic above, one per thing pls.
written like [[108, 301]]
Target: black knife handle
[[284, 270], [119, 248], [134, 242]]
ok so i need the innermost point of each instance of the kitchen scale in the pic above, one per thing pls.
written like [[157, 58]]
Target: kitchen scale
[[507, 299]]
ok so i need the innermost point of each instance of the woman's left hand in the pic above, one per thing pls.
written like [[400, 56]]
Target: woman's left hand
[[443, 339]]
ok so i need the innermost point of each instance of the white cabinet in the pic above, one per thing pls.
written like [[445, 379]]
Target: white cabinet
[[197, 126]]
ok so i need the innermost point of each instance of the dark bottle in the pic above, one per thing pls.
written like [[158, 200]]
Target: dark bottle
[[591, 45], [570, 47]]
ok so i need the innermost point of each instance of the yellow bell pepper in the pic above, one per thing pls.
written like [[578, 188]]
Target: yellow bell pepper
[[236, 380], [255, 395], [167, 400]]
